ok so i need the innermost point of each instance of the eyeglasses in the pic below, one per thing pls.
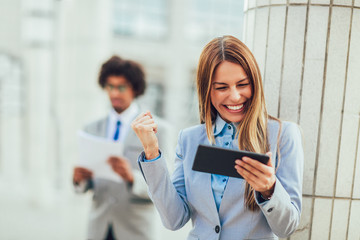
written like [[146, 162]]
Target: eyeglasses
[[120, 88]]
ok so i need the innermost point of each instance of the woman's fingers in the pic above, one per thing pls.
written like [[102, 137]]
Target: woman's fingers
[[148, 113], [146, 127], [143, 122], [147, 122], [247, 164], [259, 176], [247, 175], [252, 179], [143, 115]]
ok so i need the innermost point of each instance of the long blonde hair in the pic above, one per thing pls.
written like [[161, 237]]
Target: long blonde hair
[[252, 130]]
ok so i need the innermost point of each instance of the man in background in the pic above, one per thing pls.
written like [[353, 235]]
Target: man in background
[[120, 210]]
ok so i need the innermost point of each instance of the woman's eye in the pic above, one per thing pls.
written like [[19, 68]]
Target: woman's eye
[[220, 88], [242, 85]]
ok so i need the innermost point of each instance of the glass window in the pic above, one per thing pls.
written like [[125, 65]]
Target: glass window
[[11, 86], [141, 18], [153, 98], [212, 18], [192, 104]]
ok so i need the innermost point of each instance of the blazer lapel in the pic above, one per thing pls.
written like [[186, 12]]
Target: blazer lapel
[[102, 126], [234, 191], [208, 192]]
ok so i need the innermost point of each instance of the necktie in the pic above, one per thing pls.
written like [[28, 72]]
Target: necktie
[[116, 136]]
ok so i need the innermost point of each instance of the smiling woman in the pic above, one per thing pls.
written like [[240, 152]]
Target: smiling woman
[[228, 62], [266, 204]]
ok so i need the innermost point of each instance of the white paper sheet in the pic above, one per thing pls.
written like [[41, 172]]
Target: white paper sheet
[[95, 151]]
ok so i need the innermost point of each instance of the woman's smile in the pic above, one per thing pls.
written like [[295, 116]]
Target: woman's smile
[[230, 91]]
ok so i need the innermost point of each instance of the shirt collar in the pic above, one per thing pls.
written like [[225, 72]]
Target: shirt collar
[[126, 116], [220, 124]]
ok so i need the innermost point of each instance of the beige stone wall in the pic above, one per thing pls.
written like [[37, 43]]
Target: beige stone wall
[[309, 54]]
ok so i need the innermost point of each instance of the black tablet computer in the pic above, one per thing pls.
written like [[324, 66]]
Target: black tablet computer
[[211, 159]]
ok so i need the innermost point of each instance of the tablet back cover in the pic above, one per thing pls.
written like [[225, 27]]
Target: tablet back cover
[[216, 160]]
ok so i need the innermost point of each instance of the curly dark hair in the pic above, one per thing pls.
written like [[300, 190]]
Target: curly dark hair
[[132, 71]]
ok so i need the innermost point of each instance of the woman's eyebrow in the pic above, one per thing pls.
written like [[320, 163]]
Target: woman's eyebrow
[[242, 80]]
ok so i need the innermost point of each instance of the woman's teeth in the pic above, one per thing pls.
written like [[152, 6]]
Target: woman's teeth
[[237, 107]]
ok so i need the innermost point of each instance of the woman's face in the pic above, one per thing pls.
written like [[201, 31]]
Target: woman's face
[[230, 91]]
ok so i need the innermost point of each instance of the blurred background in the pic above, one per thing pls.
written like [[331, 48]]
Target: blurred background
[[50, 56]]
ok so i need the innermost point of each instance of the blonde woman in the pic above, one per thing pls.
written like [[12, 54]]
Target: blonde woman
[[266, 204]]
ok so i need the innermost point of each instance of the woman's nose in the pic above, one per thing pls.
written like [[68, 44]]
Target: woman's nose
[[235, 95]]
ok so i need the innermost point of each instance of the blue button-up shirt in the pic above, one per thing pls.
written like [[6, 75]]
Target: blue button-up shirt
[[224, 134]]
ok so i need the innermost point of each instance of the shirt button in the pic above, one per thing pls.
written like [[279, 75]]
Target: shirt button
[[270, 210], [224, 180], [227, 143], [217, 229], [229, 127]]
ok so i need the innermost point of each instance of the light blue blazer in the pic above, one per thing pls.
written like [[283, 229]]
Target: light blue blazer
[[187, 194]]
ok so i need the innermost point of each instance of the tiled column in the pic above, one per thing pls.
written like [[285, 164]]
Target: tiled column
[[309, 55]]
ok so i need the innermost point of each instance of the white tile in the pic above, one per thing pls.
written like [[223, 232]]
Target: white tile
[[343, 2], [339, 219], [327, 156], [352, 101], [347, 155], [260, 37], [293, 58], [321, 221], [260, 3], [356, 186], [298, 1], [357, 3], [309, 118], [251, 4], [354, 229], [249, 29], [278, 1], [312, 89], [303, 230], [317, 33], [274, 58], [320, 1], [332, 104]]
